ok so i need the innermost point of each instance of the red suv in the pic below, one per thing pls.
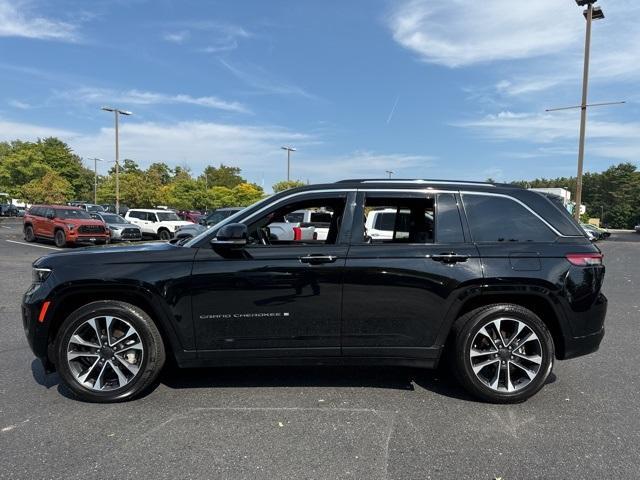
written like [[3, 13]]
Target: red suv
[[64, 225]]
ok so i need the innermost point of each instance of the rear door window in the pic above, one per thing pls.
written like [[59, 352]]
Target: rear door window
[[502, 219]]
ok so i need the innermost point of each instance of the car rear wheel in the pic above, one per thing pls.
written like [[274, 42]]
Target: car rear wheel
[[29, 235], [503, 353], [164, 234], [109, 351], [60, 239]]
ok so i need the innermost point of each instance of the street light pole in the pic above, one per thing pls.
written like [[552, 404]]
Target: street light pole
[[95, 178], [390, 172], [583, 110], [117, 112], [289, 149]]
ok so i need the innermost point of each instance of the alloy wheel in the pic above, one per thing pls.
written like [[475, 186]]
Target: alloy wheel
[[506, 355], [105, 353]]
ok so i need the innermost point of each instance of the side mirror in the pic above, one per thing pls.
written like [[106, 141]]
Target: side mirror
[[233, 235]]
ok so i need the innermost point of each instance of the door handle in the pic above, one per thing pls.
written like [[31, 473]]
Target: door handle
[[449, 258], [317, 259]]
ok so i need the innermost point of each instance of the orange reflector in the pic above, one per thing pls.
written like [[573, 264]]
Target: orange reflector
[[43, 311]]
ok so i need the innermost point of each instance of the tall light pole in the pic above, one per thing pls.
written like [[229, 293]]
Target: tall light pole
[[390, 172], [116, 113], [95, 178], [289, 149], [591, 13]]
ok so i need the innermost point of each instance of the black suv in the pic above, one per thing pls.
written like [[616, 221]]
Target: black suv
[[498, 280]]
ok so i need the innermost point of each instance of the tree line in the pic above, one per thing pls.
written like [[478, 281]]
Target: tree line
[[612, 195], [48, 171]]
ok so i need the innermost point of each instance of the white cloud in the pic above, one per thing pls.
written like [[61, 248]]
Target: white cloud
[[364, 164], [20, 105], [25, 131], [608, 139], [137, 97], [261, 80], [177, 37], [458, 32], [17, 20]]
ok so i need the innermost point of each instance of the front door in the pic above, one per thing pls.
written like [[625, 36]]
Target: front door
[[282, 294], [399, 286]]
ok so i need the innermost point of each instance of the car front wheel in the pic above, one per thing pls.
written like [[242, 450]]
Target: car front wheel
[[109, 351], [60, 239], [503, 353], [29, 236], [164, 235]]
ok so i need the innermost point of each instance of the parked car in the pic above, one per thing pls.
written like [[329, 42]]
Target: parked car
[[64, 225], [596, 232], [207, 221], [111, 208], [320, 220], [119, 228], [21, 211], [500, 285], [160, 224], [193, 216], [7, 208], [384, 223], [637, 228]]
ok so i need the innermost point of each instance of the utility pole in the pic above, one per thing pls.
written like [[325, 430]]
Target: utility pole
[[289, 149], [390, 172], [95, 178], [117, 112], [591, 13]]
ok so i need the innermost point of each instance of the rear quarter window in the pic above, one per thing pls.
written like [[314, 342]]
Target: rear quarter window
[[502, 219]]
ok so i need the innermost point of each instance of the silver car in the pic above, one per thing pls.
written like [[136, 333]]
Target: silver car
[[120, 229]]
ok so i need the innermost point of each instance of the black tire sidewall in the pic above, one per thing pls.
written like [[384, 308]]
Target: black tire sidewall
[[29, 234], [60, 243], [164, 235], [152, 360], [466, 335]]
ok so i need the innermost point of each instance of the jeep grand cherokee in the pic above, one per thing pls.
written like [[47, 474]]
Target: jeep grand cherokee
[[495, 280]]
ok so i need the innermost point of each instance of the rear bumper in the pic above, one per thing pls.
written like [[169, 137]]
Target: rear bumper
[[589, 327]]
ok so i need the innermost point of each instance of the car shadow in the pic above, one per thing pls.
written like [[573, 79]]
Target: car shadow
[[397, 378], [438, 381]]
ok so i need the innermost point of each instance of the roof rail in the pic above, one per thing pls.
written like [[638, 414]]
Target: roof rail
[[420, 181]]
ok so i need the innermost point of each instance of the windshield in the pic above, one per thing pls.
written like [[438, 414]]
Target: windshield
[[194, 241], [72, 213], [168, 217], [113, 218]]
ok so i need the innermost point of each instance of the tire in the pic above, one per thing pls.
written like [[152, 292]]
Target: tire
[[516, 357], [60, 239], [164, 234], [123, 374], [29, 235]]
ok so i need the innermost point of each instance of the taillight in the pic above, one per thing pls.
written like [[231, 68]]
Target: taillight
[[297, 233], [585, 259]]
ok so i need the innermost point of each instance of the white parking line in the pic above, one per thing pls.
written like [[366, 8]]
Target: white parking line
[[32, 245], [4, 226]]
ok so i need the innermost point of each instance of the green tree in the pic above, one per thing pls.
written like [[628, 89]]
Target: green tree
[[51, 188], [287, 184], [222, 176]]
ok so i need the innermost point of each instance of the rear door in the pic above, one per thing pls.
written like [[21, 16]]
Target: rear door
[[398, 290]]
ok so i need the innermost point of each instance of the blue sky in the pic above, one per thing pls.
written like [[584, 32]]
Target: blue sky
[[426, 88]]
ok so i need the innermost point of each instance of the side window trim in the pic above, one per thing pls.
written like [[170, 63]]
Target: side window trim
[[513, 199]]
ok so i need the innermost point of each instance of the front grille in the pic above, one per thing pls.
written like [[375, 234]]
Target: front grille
[[130, 232], [89, 229]]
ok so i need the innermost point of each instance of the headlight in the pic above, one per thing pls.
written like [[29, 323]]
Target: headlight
[[70, 226], [40, 274], [115, 228]]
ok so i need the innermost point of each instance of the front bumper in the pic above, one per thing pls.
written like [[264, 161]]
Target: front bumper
[[74, 237]]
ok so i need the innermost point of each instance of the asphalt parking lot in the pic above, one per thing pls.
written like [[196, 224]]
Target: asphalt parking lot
[[325, 423]]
